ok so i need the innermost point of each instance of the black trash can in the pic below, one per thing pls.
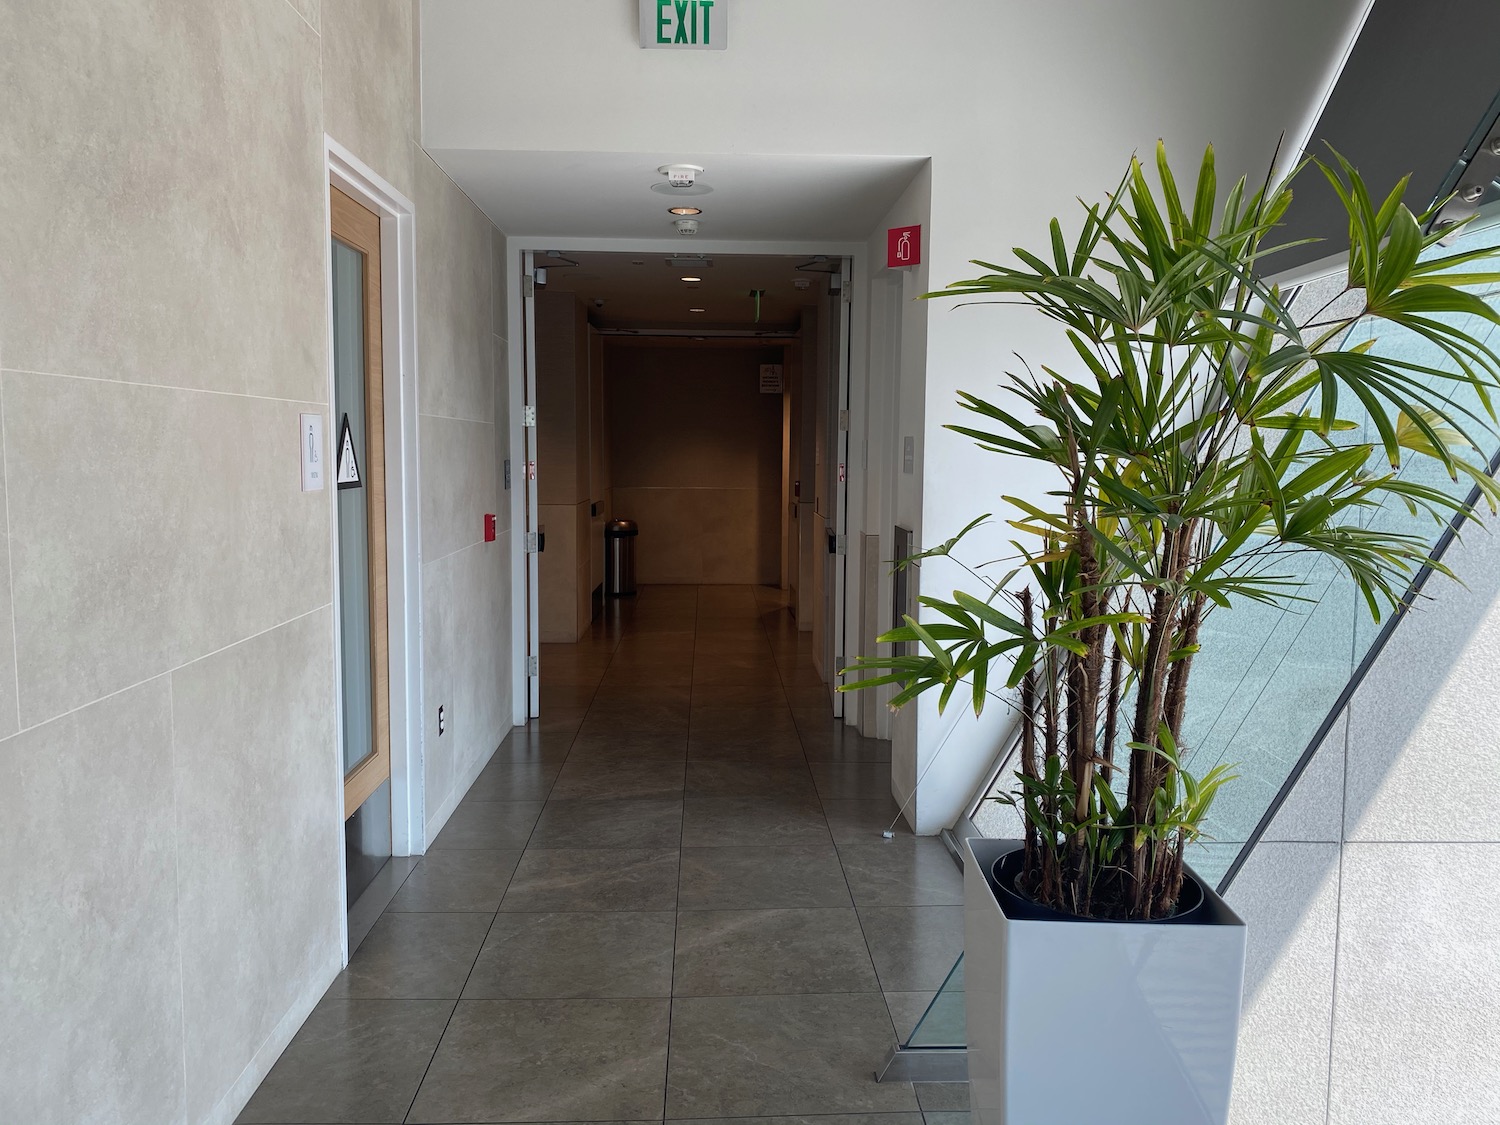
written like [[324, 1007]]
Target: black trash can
[[619, 558]]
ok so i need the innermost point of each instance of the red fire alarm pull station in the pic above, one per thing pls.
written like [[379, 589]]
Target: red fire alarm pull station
[[903, 247], [489, 528]]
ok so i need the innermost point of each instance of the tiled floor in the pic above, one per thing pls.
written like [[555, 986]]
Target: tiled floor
[[667, 898]]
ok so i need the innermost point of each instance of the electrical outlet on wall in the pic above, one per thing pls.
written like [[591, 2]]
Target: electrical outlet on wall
[[442, 720]]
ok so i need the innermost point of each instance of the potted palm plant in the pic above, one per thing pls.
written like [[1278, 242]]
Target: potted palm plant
[[1200, 434]]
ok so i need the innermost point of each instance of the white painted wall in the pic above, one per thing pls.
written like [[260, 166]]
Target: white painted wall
[[1064, 93]]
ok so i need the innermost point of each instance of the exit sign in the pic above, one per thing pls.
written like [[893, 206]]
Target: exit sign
[[690, 25]]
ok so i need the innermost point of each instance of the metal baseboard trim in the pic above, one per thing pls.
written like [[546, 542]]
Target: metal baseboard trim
[[377, 896], [925, 1064]]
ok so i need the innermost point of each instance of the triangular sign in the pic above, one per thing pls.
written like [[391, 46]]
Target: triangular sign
[[348, 469]]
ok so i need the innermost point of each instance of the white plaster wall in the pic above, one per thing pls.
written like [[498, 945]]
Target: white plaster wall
[[1062, 93], [1372, 985], [169, 779]]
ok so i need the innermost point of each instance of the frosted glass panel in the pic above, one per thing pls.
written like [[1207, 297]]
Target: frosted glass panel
[[354, 556]]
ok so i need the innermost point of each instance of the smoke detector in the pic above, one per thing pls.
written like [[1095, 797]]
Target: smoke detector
[[687, 227], [681, 175]]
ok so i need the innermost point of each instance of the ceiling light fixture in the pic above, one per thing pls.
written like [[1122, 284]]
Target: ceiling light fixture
[[692, 279], [684, 210], [697, 310]]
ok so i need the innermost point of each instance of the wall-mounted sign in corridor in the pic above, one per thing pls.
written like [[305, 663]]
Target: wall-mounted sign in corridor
[[691, 25], [347, 475], [770, 378], [903, 247]]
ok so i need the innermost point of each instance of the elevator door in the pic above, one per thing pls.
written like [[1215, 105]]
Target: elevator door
[[359, 463]]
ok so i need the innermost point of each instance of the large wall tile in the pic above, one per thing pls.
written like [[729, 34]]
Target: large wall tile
[[481, 667], [1416, 1034], [92, 1027], [500, 305], [1288, 896], [1423, 717], [10, 720], [458, 483], [439, 647], [369, 90], [150, 527], [454, 313], [254, 747], [165, 219]]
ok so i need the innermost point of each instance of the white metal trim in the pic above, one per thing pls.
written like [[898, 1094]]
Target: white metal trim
[[403, 497]]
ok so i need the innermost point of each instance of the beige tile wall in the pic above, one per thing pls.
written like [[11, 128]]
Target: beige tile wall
[[696, 458], [168, 780]]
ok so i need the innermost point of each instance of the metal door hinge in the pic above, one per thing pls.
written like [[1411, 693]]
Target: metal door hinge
[[531, 543], [528, 416], [528, 286], [843, 421], [533, 666], [840, 545]]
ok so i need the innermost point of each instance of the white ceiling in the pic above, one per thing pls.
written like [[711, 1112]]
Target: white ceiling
[[754, 198], [653, 294]]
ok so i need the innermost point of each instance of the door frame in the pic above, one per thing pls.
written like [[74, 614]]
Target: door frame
[[519, 250], [397, 215]]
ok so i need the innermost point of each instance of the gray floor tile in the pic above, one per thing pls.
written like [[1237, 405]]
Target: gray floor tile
[[770, 952], [914, 946], [844, 781], [733, 822], [820, 1119], [744, 1056], [761, 878], [749, 779], [864, 821], [587, 879], [907, 1008], [618, 777], [763, 693], [906, 871], [624, 743], [772, 747], [644, 822], [548, 1060], [835, 742], [514, 781], [523, 745], [414, 957], [947, 1117], [353, 1060], [488, 826], [942, 1097], [455, 880], [588, 955]]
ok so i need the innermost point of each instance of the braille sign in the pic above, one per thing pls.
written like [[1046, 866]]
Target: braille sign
[[684, 25]]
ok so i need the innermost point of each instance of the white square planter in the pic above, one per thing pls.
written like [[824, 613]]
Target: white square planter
[[1078, 1022]]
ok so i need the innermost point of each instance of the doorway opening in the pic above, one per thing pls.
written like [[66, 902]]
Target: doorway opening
[[704, 398]]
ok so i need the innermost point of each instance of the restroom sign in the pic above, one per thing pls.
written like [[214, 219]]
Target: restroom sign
[[684, 25], [770, 378], [903, 247]]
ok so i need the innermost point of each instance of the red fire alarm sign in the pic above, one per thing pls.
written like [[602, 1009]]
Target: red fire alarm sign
[[903, 247]]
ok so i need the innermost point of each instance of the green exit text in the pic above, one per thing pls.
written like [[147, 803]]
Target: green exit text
[[687, 23]]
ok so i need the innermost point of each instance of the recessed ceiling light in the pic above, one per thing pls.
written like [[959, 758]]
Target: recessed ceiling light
[[692, 279], [684, 210], [697, 310]]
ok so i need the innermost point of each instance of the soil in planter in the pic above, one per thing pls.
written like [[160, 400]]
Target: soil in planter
[[1108, 903]]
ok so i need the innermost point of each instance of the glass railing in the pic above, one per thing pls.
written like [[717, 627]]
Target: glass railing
[[1270, 682]]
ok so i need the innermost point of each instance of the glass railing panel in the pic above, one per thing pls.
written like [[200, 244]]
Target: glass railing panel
[[942, 1024]]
